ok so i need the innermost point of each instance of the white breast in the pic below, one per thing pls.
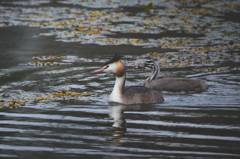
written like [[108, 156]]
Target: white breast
[[116, 95]]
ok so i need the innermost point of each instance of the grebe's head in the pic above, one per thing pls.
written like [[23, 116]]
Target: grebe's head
[[114, 66], [152, 65], [149, 64]]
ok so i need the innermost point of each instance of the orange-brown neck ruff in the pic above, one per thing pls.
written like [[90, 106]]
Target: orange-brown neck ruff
[[119, 69]]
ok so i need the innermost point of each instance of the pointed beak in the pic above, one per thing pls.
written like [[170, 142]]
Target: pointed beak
[[139, 67], [99, 70], [142, 66]]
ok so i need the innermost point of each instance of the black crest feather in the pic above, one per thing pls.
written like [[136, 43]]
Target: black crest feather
[[114, 59]]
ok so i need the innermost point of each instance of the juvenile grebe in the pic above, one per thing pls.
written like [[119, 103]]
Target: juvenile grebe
[[171, 84], [129, 94]]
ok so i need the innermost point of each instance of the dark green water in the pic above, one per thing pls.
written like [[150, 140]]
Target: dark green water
[[185, 125]]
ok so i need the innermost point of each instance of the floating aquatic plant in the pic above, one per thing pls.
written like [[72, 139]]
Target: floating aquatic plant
[[44, 98], [93, 27]]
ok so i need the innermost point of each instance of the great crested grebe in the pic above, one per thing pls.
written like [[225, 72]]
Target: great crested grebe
[[128, 94], [171, 84]]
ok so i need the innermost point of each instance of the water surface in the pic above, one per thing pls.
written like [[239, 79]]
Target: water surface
[[185, 125]]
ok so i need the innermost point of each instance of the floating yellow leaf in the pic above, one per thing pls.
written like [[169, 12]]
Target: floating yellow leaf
[[85, 94], [135, 41], [142, 41], [183, 65], [55, 93], [163, 63], [11, 103], [75, 94], [94, 14], [1, 103], [11, 107], [39, 98], [133, 31], [147, 23], [22, 103]]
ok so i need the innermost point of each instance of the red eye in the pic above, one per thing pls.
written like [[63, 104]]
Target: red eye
[[106, 67]]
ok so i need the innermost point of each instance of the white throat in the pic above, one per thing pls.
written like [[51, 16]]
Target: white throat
[[116, 95]]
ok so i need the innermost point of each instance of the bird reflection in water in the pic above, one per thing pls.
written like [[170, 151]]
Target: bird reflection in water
[[117, 113]]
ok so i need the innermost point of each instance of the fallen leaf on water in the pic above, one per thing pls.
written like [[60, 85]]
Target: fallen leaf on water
[[85, 94]]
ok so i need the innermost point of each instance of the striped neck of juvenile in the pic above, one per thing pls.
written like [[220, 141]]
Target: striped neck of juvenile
[[155, 72]]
